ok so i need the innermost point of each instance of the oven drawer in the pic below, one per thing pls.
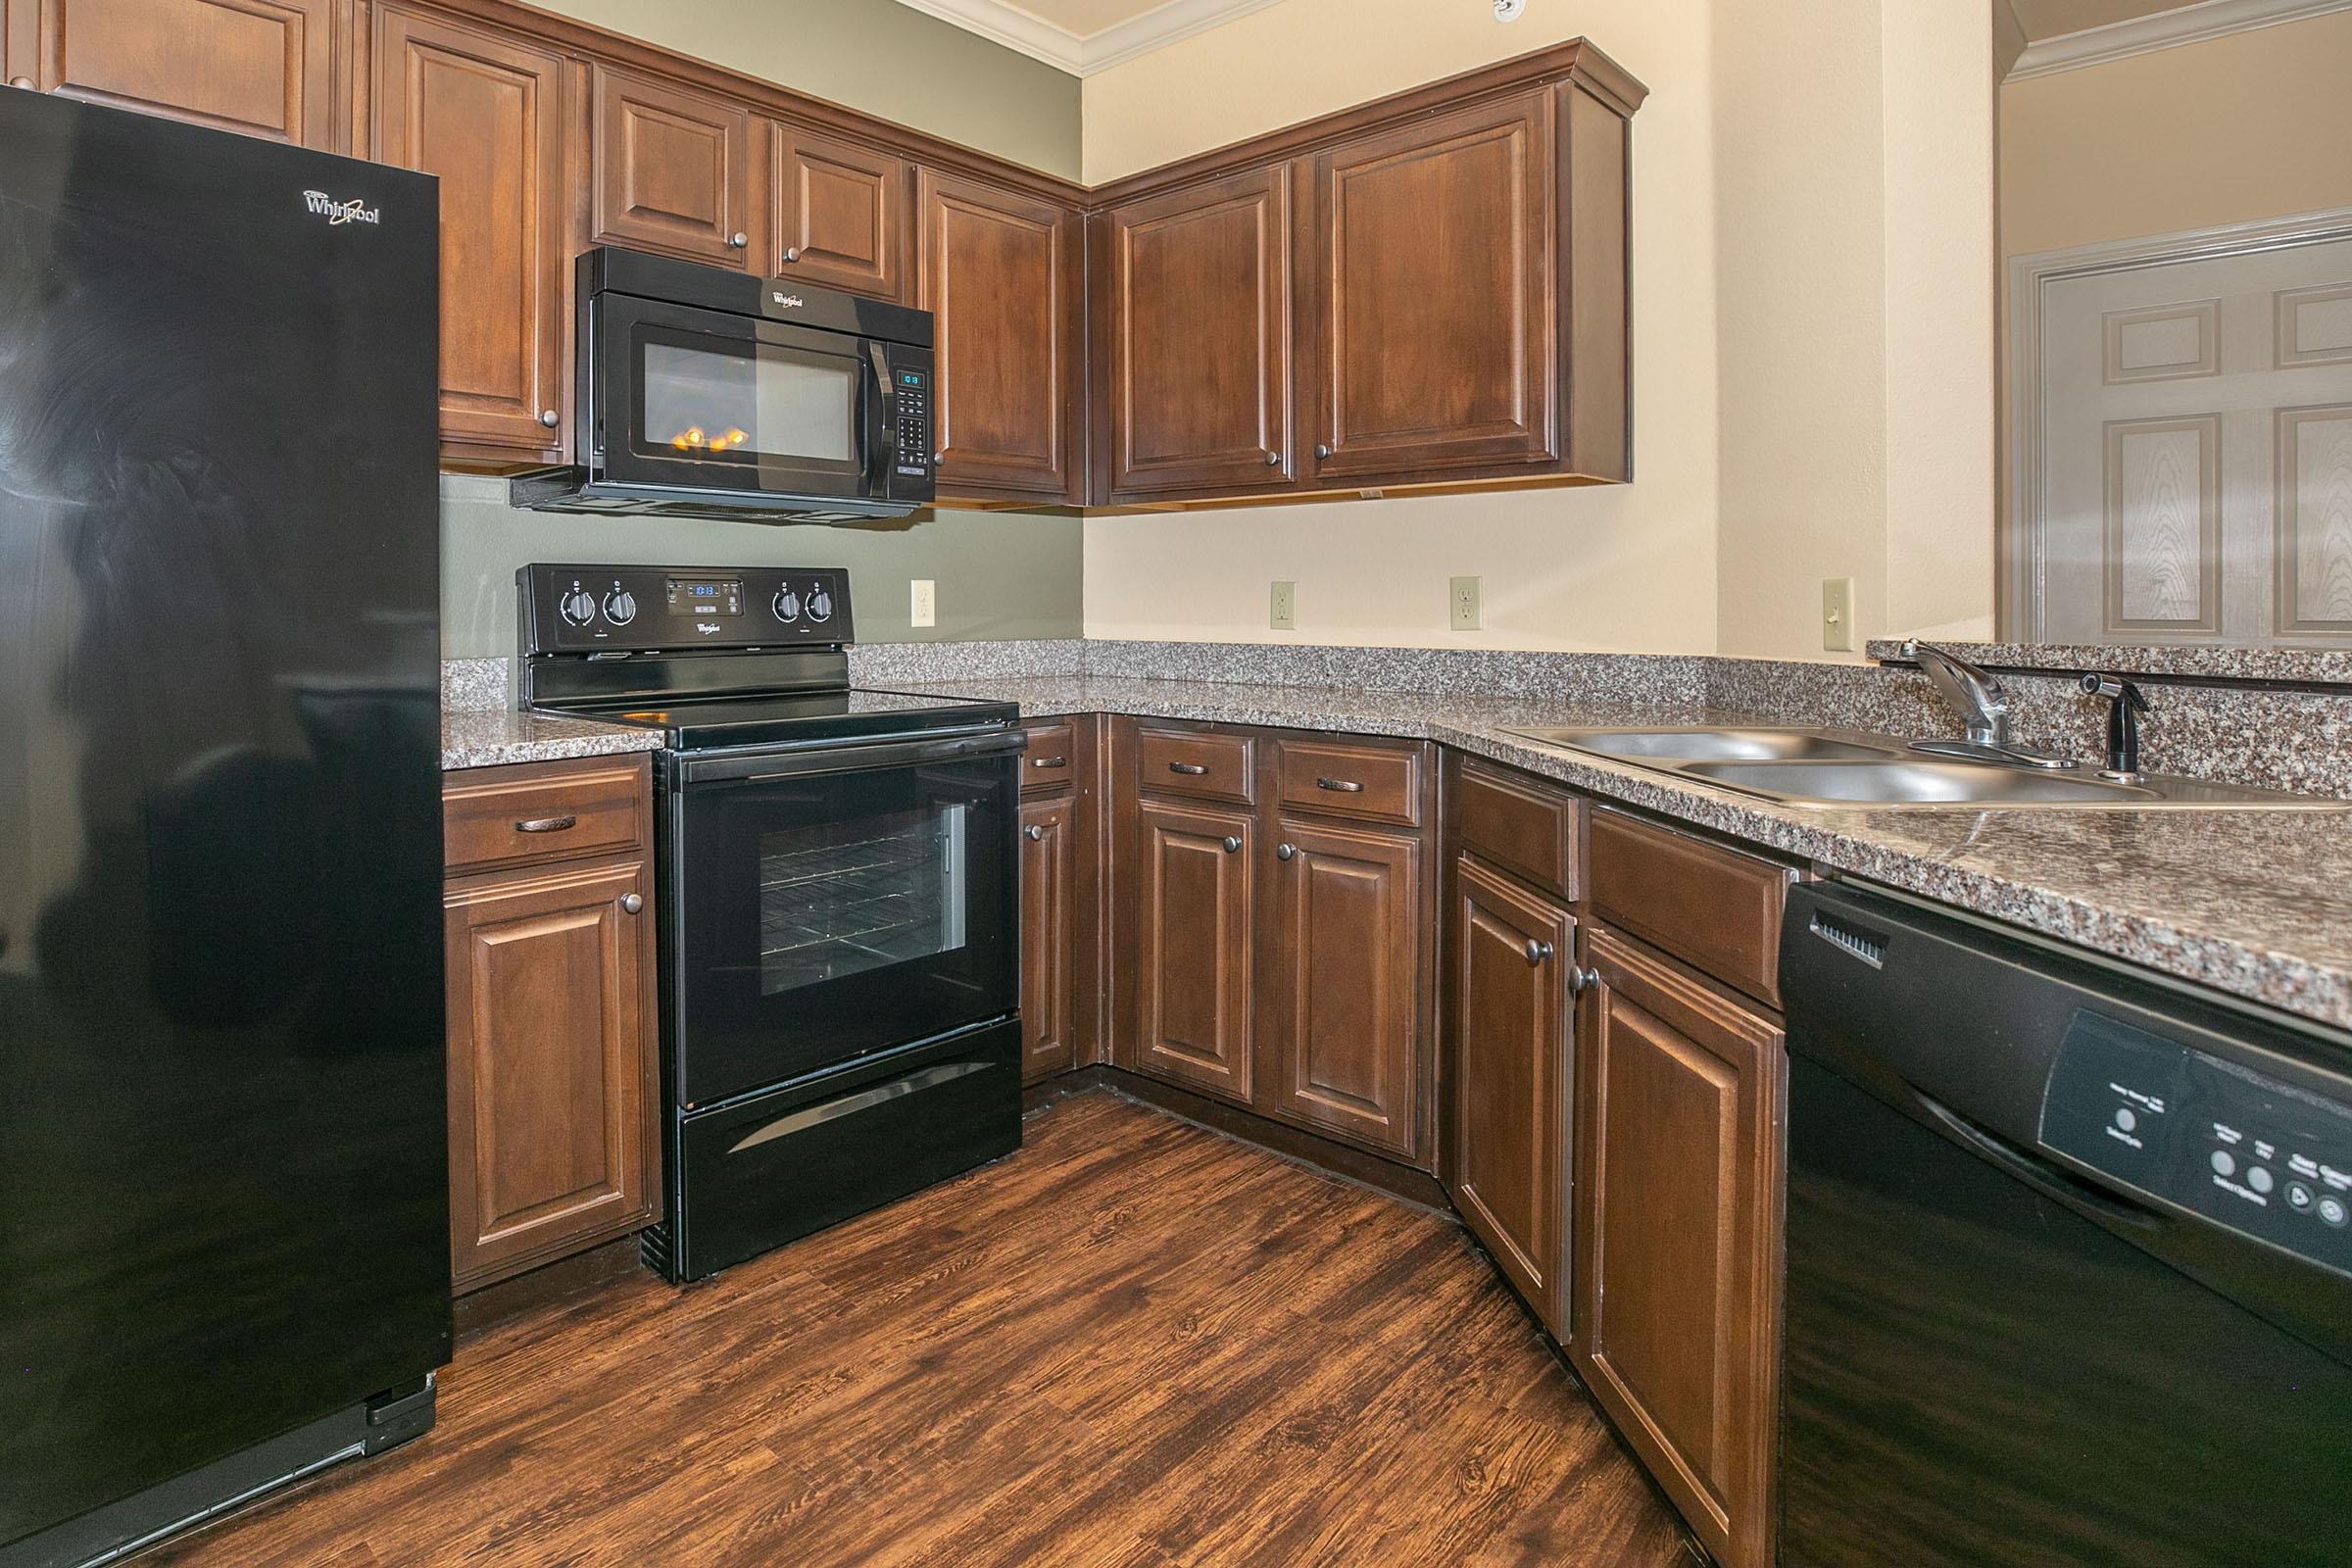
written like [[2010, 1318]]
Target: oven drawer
[[762, 1171], [518, 815]]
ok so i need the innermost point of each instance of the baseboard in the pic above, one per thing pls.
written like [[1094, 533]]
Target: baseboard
[[493, 1305]]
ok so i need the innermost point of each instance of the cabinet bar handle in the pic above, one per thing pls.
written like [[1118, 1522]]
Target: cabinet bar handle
[[1537, 951], [1346, 786], [545, 824], [1233, 846], [1188, 770], [1048, 761]]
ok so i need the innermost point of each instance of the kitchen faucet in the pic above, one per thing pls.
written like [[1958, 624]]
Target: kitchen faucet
[[1981, 701]]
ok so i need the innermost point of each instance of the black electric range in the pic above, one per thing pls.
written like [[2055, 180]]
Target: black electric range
[[839, 897]]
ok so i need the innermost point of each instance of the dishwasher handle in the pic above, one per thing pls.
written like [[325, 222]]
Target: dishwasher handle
[[2044, 1175]]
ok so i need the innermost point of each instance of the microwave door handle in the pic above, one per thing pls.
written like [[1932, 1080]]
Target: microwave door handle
[[885, 442]]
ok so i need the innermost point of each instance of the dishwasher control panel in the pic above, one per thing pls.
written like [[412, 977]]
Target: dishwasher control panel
[[2264, 1159]]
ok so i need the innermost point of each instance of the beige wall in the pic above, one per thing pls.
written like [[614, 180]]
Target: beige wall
[[2257, 124], [875, 55], [1812, 296]]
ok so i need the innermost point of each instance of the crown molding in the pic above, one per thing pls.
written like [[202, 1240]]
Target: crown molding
[[1016, 29], [2188, 24]]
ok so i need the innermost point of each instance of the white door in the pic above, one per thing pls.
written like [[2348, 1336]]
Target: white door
[[2195, 480]]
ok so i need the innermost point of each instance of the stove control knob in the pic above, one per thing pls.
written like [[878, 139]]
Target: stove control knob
[[786, 605], [577, 607], [621, 605], [820, 604]]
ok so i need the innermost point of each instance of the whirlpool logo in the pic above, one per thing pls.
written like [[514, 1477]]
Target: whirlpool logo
[[337, 213]]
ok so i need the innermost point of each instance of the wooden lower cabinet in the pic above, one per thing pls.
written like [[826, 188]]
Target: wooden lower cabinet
[[1195, 944], [1679, 1137], [1343, 963], [1508, 1034], [554, 1141], [1049, 851]]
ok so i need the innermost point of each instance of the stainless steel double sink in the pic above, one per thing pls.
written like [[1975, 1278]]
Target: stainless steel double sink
[[1832, 767]]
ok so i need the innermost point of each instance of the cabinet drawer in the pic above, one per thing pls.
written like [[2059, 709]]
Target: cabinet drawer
[[1183, 761], [529, 813], [1051, 759], [1715, 909], [1516, 824], [1381, 784]]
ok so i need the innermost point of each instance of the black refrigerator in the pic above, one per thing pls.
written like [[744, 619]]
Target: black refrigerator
[[224, 1205]]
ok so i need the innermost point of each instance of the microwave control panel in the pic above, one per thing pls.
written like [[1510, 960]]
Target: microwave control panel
[[2268, 1159], [627, 608], [909, 403]]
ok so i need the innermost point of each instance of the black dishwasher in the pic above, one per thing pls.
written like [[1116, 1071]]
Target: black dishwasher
[[2069, 1273]]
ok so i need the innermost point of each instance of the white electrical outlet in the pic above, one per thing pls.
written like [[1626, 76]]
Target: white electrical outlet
[[923, 606], [1462, 603], [1282, 606], [1837, 614]]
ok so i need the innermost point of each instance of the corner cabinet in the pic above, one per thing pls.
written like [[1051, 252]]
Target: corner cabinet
[[548, 937]]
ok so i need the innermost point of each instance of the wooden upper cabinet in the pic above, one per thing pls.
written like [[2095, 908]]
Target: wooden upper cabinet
[[1437, 295], [1197, 285], [1344, 991], [1001, 273], [1507, 1032], [838, 213], [264, 68], [1678, 1129], [672, 168], [485, 111], [1193, 947]]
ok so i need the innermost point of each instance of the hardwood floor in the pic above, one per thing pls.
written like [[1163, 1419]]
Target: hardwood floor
[[1136, 1344]]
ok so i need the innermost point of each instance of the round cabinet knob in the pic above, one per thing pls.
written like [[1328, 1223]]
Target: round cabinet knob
[[1033, 833], [820, 605], [577, 607], [1273, 460], [1322, 450], [1233, 846], [631, 903], [547, 418], [1285, 851], [786, 605], [621, 605], [20, 81], [1580, 981], [792, 254], [738, 240], [1537, 951]]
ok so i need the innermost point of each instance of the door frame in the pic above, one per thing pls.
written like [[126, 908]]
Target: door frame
[[2030, 276]]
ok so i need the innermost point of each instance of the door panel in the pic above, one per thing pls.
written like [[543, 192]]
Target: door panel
[[672, 169], [549, 1069], [1000, 272], [1677, 1225], [1199, 302], [1048, 898], [486, 115], [1344, 1011], [1194, 945], [1434, 344], [263, 67], [1508, 1021], [838, 213]]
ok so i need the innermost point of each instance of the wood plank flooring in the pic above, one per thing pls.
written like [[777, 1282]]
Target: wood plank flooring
[[1136, 1344]]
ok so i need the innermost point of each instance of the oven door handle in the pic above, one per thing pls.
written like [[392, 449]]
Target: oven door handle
[[944, 746]]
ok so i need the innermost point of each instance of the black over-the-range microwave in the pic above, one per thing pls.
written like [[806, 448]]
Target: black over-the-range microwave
[[705, 392]]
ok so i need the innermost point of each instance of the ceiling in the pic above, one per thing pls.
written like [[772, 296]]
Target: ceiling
[[1084, 36]]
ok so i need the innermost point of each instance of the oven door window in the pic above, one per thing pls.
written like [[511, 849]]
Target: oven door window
[[825, 916]]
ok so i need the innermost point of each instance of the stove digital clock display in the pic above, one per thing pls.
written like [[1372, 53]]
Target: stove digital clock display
[[706, 596]]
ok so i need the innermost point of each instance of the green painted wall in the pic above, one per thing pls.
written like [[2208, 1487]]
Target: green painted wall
[[875, 55], [999, 573]]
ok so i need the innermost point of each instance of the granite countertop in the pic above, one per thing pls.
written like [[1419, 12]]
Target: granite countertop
[[2251, 902], [490, 737]]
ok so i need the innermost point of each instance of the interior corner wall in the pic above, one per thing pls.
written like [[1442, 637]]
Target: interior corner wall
[[998, 574], [1625, 566]]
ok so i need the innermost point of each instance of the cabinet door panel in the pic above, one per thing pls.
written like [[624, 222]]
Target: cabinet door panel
[[263, 68], [1000, 274], [1434, 344], [672, 169], [1678, 1128], [1199, 300], [550, 1070], [1507, 1026], [1049, 896], [838, 213], [1194, 947], [485, 114], [1345, 967]]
